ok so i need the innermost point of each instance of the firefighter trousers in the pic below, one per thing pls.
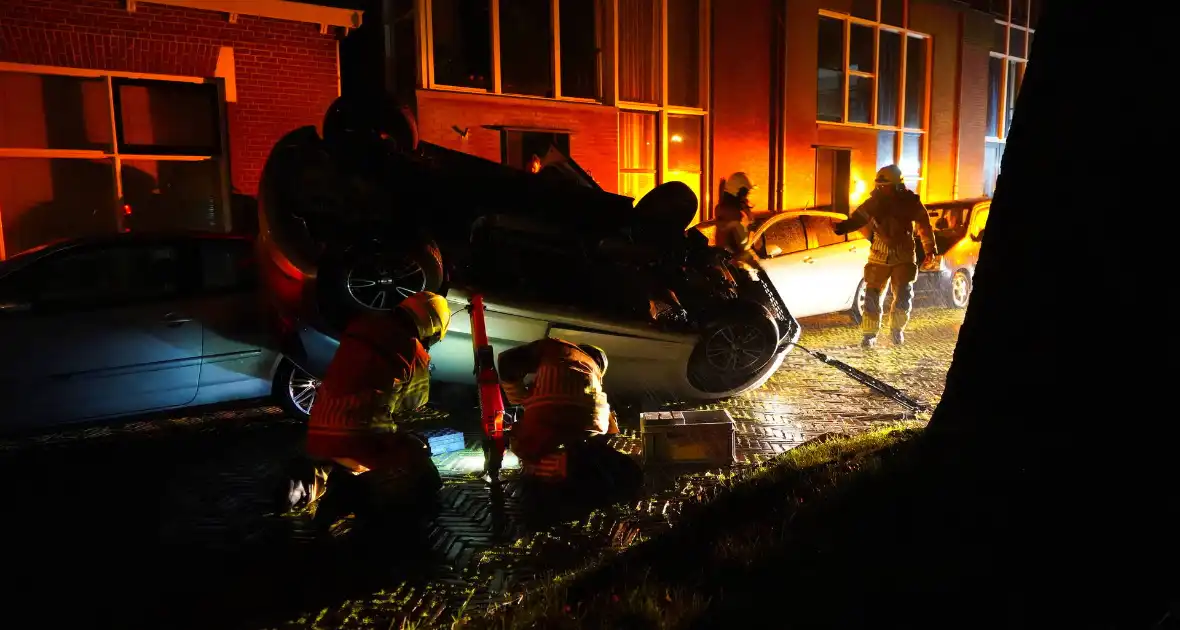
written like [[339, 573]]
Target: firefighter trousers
[[902, 278]]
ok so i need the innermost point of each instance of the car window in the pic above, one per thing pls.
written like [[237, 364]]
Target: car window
[[104, 275], [821, 232], [979, 220], [787, 234], [228, 265]]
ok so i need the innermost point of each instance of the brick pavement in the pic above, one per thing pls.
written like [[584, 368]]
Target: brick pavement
[[214, 492]]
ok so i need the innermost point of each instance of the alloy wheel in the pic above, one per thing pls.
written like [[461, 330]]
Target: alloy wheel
[[736, 348], [301, 389], [381, 286]]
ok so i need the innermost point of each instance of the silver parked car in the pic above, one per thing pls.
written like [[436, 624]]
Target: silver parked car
[[127, 324]]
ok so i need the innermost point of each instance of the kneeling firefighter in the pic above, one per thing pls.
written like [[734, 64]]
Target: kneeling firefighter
[[561, 436], [364, 462]]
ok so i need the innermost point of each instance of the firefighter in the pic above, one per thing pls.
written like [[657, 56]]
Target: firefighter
[[561, 435], [733, 214], [891, 213], [363, 461]]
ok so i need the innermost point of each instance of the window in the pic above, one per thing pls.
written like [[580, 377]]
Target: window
[[662, 86], [821, 232], [527, 150], [228, 265], [787, 235], [542, 48], [109, 275], [833, 175], [71, 166], [872, 72], [638, 144], [1009, 56]]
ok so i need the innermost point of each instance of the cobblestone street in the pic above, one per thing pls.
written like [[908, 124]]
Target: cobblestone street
[[170, 522]]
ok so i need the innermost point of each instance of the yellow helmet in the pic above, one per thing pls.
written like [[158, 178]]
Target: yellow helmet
[[431, 315], [738, 181], [889, 176]]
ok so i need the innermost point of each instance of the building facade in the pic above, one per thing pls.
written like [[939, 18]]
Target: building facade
[[152, 114], [809, 97]]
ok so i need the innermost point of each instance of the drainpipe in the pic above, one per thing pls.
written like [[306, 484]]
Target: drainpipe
[[778, 105]]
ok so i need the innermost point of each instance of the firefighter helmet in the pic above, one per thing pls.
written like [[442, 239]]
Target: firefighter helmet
[[734, 184], [889, 176], [431, 315], [596, 353]]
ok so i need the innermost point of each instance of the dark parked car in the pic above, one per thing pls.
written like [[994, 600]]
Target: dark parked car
[[553, 254], [132, 323]]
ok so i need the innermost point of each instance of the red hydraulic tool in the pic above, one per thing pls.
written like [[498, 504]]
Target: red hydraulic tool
[[491, 402]]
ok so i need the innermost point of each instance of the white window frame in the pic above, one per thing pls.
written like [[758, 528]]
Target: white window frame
[[426, 39], [899, 130], [1000, 133], [663, 108], [113, 155]]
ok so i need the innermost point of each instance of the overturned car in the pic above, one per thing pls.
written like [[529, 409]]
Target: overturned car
[[366, 215]]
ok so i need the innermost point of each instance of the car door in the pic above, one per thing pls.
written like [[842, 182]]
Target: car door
[[103, 332], [839, 263], [238, 353], [781, 243]]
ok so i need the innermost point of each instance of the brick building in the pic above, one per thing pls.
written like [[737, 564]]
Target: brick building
[[116, 113], [808, 96]]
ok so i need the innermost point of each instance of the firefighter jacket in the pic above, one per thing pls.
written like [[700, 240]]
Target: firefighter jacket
[[565, 401], [380, 372], [891, 215]]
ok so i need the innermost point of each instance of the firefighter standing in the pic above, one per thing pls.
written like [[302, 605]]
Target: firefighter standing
[[562, 433], [733, 214], [363, 461], [891, 212]]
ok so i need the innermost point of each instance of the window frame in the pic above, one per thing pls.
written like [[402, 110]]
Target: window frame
[[113, 155], [426, 37], [900, 130], [811, 234], [40, 305], [663, 109], [1000, 133]]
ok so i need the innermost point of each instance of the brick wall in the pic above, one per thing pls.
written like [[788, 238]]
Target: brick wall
[[741, 109], [977, 38], [286, 71], [593, 129], [942, 23], [799, 121]]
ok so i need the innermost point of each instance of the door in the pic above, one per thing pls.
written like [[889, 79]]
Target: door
[[789, 265], [237, 347], [105, 332], [650, 369], [839, 263]]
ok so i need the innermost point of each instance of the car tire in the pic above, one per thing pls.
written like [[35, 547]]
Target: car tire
[[377, 277], [959, 293], [857, 312], [733, 350], [295, 390]]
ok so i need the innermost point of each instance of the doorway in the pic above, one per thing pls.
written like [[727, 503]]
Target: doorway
[[833, 178]]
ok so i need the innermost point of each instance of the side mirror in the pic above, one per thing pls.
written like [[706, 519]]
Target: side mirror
[[773, 250], [941, 224]]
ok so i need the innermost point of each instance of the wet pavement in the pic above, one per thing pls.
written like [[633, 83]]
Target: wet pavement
[[171, 523]]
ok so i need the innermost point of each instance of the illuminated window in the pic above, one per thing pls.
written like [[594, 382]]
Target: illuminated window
[[71, 166], [872, 72], [662, 88], [1012, 33], [542, 48]]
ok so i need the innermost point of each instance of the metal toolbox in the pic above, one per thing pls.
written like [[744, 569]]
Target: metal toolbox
[[688, 437]]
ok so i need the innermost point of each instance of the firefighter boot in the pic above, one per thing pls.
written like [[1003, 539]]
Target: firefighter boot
[[869, 341], [898, 337]]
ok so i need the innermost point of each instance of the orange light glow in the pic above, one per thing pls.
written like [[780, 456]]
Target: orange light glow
[[676, 138], [126, 210], [856, 194]]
